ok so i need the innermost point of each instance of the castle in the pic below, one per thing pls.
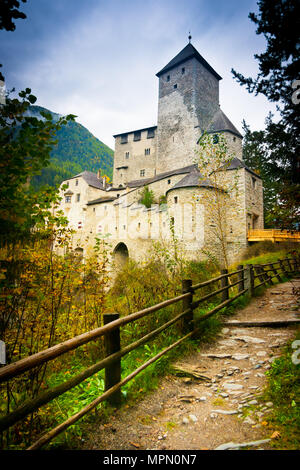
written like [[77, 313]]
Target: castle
[[163, 159]]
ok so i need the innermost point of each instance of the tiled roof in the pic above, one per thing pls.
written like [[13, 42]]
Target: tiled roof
[[91, 179], [101, 199], [236, 163], [136, 130], [160, 176], [220, 122], [193, 179], [187, 53]]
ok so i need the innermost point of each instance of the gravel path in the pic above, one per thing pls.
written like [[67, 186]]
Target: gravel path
[[189, 414]]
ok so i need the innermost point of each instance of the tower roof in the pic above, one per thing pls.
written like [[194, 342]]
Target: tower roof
[[220, 122], [187, 53]]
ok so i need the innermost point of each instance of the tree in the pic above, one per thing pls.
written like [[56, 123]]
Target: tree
[[9, 12], [25, 145], [213, 161], [278, 21], [147, 197], [267, 152]]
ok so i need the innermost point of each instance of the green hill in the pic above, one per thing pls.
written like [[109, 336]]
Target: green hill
[[77, 150]]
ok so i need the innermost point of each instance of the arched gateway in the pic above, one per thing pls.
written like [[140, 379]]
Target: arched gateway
[[121, 254]]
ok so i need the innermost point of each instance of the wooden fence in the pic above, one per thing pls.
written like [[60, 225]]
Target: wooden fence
[[273, 235], [247, 278]]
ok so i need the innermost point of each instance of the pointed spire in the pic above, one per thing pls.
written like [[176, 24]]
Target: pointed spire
[[190, 37]]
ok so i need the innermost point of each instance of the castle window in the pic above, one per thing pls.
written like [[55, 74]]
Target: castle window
[[77, 197], [94, 209], [137, 136], [127, 155], [124, 139], [168, 78], [169, 181], [183, 70], [234, 139], [175, 86], [68, 199], [76, 183], [175, 199], [147, 151], [253, 183], [150, 134], [118, 195], [142, 172]]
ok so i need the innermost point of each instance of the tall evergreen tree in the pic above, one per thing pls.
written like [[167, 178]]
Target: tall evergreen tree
[[279, 67]]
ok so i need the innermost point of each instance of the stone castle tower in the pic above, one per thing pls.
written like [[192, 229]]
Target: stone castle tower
[[188, 105], [188, 101], [162, 157]]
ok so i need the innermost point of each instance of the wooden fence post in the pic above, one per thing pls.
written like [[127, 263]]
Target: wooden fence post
[[187, 304], [224, 283], [112, 372], [251, 280], [247, 278], [241, 278]]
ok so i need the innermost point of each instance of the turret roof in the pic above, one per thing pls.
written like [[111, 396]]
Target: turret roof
[[220, 122], [188, 52]]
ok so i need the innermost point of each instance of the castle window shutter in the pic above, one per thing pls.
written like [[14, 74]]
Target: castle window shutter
[[137, 136], [150, 133]]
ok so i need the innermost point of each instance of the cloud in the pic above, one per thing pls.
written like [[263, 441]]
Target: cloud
[[98, 59]]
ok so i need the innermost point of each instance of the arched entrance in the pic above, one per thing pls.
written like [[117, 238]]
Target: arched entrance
[[121, 254]]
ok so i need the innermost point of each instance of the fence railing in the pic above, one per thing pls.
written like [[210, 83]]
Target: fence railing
[[247, 278], [274, 235]]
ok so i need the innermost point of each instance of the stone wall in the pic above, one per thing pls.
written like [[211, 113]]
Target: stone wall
[[135, 157]]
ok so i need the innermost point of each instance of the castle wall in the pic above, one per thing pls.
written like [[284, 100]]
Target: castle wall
[[133, 156], [234, 144], [75, 209]]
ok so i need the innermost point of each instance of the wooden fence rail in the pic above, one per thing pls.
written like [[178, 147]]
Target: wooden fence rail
[[247, 277]]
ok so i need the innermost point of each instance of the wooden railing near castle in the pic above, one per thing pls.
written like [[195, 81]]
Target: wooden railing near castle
[[273, 235], [247, 278]]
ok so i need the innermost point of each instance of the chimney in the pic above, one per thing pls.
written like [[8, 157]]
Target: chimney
[[99, 174], [104, 182]]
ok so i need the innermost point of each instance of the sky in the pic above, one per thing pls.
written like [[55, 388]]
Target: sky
[[97, 59]]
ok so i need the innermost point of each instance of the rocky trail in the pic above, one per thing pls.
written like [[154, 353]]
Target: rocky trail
[[220, 410]]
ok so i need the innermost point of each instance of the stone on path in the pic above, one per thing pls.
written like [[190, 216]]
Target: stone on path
[[249, 339], [225, 412], [232, 445], [232, 386], [217, 356], [240, 357]]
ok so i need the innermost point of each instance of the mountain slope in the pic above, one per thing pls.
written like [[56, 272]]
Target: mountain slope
[[77, 150]]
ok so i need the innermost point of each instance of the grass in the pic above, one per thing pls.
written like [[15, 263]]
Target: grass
[[283, 390]]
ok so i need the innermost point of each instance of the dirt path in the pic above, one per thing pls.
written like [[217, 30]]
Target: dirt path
[[191, 414]]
